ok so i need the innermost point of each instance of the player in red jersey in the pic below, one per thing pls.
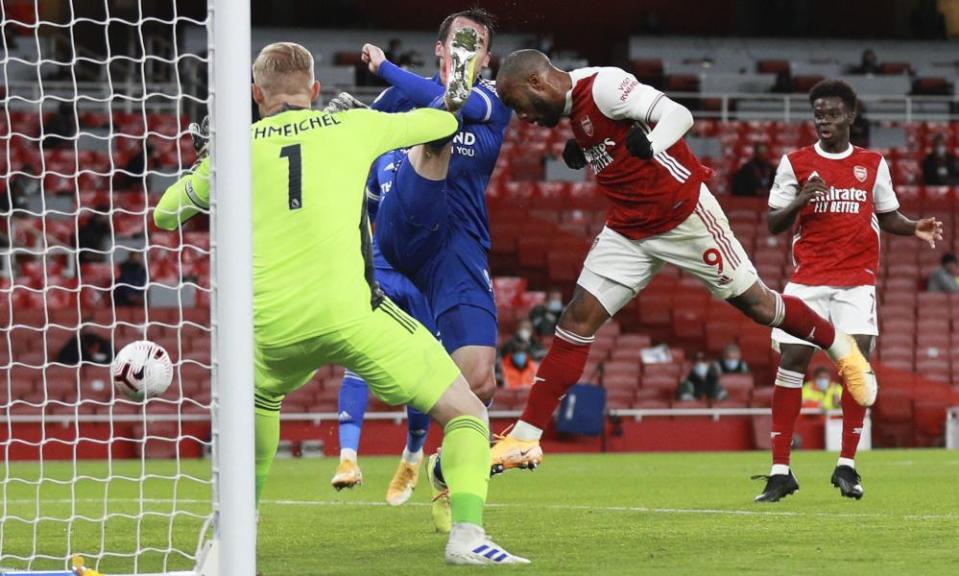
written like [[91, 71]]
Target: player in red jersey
[[839, 196], [661, 211]]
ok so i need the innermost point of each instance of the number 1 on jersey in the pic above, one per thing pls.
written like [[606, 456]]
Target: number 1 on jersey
[[295, 174]]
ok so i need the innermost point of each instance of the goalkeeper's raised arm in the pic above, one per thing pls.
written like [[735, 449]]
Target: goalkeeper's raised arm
[[365, 134], [186, 198]]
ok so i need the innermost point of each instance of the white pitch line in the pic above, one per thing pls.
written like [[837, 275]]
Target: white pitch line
[[559, 507]]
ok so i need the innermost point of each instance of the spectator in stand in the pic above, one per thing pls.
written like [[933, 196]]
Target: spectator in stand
[[822, 391], [92, 235], [519, 369], [868, 64], [133, 276], [928, 23], [732, 360], [523, 336], [396, 55], [946, 277], [86, 346], [784, 83], [755, 177], [62, 129], [860, 128], [393, 51], [941, 167], [702, 382], [132, 175], [545, 316]]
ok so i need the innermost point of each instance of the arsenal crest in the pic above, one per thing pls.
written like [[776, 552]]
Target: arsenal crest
[[587, 125], [860, 173]]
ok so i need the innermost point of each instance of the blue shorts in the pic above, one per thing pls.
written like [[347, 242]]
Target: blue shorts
[[405, 295], [418, 237]]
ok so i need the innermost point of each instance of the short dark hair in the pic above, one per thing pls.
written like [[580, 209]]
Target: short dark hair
[[833, 87], [476, 14], [948, 259]]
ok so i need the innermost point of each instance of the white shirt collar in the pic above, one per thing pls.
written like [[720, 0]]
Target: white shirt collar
[[833, 155]]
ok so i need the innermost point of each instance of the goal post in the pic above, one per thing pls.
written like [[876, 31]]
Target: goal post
[[96, 99], [233, 321]]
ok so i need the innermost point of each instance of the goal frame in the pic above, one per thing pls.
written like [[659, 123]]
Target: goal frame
[[233, 548]]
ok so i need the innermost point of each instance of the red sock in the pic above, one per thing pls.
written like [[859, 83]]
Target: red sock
[[562, 367], [787, 401], [853, 416], [800, 321]]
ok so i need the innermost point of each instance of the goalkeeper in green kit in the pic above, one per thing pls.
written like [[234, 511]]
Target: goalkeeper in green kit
[[315, 300]]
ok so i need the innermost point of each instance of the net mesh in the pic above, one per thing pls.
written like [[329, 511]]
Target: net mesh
[[96, 102]]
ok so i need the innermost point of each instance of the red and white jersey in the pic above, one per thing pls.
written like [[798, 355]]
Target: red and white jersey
[[648, 197], [836, 242]]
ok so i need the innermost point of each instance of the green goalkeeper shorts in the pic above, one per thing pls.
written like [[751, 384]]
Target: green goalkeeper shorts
[[399, 359]]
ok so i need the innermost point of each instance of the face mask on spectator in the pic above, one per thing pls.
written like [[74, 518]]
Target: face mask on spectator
[[731, 363], [822, 382], [555, 306], [701, 369], [519, 359], [524, 334], [940, 151]]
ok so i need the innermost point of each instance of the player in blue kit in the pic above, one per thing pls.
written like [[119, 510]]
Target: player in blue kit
[[432, 227], [353, 391]]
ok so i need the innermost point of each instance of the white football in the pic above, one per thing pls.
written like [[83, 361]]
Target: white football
[[142, 369]]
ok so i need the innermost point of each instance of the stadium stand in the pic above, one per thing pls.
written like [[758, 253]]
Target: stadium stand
[[541, 229]]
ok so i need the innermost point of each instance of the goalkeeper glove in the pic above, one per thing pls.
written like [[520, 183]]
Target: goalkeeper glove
[[200, 134], [341, 102], [638, 144], [573, 155]]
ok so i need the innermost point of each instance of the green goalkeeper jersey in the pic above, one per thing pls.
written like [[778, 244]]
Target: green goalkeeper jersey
[[312, 268]]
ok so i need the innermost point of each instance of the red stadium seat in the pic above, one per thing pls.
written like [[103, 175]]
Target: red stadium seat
[[654, 394], [664, 383], [738, 386], [762, 397], [651, 404], [618, 398], [930, 419], [632, 342]]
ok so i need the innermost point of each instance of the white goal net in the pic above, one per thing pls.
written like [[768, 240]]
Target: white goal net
[[97, 98]]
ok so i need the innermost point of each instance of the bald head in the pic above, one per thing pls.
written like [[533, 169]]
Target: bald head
[[520, 64], [528, 83]]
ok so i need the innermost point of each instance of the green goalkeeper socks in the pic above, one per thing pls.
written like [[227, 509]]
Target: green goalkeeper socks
[[466, 462], [267, 430]]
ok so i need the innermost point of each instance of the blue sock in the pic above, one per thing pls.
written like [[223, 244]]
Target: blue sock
[[353, 399], [418, 424]]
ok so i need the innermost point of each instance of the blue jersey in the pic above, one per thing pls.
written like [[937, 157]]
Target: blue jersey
[[395, 285], [378, 185], [475, 150]]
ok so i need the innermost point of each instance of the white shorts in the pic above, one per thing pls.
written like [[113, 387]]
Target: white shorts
[[851, 309], [617, 268]]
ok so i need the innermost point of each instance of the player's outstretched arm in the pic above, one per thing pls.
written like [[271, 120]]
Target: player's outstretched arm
[[619, 95], [672, 120], [479, 107], [184, 199], [926, 229], [392, 131]]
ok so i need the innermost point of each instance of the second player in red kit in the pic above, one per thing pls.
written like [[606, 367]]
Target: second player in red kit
[[838, 197]]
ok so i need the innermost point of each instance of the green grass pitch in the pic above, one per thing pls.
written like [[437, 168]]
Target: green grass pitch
[[578, 515]]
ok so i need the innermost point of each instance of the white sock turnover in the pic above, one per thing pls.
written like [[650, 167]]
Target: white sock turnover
[[526, 432]]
